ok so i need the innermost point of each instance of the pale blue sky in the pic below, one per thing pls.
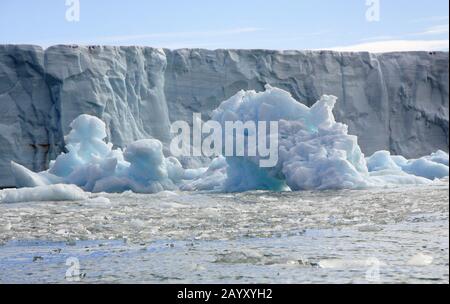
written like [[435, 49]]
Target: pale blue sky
[[281, 24]]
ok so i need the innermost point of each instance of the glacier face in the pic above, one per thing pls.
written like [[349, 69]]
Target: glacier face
[[395, 101]]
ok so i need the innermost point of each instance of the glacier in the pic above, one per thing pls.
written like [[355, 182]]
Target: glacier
[[315, 153], [396, 102]]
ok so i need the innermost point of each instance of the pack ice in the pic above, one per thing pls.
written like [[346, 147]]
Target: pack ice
[[314, 152]]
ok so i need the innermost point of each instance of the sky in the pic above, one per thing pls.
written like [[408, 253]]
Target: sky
[[350, 25]]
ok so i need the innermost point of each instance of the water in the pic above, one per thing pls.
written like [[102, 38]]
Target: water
[[384, 235]]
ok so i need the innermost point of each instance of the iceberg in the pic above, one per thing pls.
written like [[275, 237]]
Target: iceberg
[[314, 153], [92, 164], [430, 167]]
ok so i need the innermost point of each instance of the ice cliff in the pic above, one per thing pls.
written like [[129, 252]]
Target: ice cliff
[[396, 101]]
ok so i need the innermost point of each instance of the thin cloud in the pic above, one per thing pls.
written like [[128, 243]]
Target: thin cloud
[[431, 19], [430, 31], [434, 30], [394, 46]]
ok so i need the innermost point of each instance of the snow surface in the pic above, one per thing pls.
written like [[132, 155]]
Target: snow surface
[[315, 152]]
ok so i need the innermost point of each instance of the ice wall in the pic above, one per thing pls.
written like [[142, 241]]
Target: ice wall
[[396, 101]]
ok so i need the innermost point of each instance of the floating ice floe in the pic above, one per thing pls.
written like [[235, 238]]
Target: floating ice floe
[[58, 192], [429, 167], [420, 259], [314, 152]]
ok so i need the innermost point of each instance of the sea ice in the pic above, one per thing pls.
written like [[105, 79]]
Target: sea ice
[[58, 192], [420, 259]]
